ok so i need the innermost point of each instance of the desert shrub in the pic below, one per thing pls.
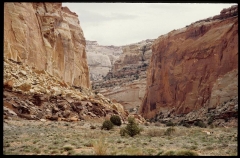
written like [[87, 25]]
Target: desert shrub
[[210, 120], [169, 131], [169, 153], [116, 120], [67, 147], [180, 153], [200, 123], [92, 127], [107, 124], [88, 144], [170, 123], [132, 128], [185, 124], [186, 153], [160, 153]]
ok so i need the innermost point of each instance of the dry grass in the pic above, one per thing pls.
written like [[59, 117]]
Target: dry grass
[[24, 137], [100, 147]]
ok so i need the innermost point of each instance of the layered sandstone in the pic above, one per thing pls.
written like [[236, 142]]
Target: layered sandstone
[[193, 67], [126, 81], [130, 94], [48, 37], [134, 57], [101, 59]]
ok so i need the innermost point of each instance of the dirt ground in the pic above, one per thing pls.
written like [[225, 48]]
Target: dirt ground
[[31, 137]]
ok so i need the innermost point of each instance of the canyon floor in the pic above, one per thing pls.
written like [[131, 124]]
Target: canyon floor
[[34, 137]]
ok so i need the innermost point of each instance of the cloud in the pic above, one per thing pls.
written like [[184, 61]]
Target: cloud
[[126, 23]]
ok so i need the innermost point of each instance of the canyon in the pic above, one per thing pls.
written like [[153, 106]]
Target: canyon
[[51, 72], [125, 80]]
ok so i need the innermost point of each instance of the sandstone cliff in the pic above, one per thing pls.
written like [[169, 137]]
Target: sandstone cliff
[[193, 67], [126, 81], [101, 59], [47, 37], [134, 57], [45, 67]]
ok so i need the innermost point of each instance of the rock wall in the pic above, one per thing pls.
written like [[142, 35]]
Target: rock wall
[[126, 81], [101, 59], [130, 94], [46, 36], [193, 67], [134, 57]]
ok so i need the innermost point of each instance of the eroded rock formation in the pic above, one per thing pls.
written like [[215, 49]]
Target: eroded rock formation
[[193, 67], [47, 37], [101, 59], [33, 94], [126, 81]]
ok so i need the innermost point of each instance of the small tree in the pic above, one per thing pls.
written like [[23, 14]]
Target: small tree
[[132, 128], [116, 120], [107, 124]]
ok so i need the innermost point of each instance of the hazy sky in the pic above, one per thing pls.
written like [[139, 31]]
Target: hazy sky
[[125, 23]]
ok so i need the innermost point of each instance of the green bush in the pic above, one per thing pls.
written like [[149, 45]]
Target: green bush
[[132, 128], [107, 124], [185, 124], [170, 123], [116, 120], [210, 120], [200, 123]]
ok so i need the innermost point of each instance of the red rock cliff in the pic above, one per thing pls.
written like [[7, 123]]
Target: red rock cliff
[[193, 67], [47, 37]]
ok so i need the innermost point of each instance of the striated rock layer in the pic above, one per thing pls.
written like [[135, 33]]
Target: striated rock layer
[[134, 57], [47, 37], [126, 81], [193, 67], [130, 94], [101, 59]]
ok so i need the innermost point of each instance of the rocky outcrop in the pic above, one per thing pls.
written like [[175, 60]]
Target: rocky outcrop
[[101, 59], [193, 67], [126, 81], [33, 94], [125, 70], [134, 57], [47, 37]]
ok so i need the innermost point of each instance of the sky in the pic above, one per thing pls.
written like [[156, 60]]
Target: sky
[[121, 24]]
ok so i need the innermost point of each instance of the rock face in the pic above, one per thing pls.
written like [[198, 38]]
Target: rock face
[[126, 81], [47, 37], [101, 59], [45, 67], [130, 94], [134, 57], [193, 67], [33, 94]]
